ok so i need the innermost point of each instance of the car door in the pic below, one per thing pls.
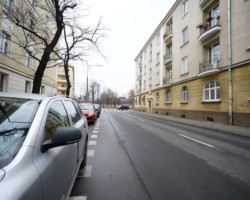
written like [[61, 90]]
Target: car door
[[78, 122], [56, 165]]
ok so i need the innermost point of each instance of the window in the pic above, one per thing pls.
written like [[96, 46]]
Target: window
[[150, 56], [168, 96], [144, 84], [28, 60], [211, 91], [214, 54], [47, 20], [145, 69], [8, 6], [33, 3], [27, 87], [42, 89], [157, 97], [184, 94], [32, 29], [157, 77], [5, 47], [57, 117], [185, 35], [158, 38], [75, 116], [184, 68], [184, 7], [150, 89], [150, 73], [158, 58], [2, 82]]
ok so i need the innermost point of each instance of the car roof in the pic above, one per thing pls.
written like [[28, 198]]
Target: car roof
[[38, 97], [23, 95]]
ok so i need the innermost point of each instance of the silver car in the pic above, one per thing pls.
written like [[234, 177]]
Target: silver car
[[43, 143]]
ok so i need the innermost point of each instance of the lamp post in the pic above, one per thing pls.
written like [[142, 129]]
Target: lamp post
[[103, 99], [87, 84]]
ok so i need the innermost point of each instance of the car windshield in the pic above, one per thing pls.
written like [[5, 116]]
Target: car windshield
[[16, 116], [97, 106], [86, 106]]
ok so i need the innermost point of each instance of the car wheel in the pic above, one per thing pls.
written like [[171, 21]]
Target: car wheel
[[84, 160]]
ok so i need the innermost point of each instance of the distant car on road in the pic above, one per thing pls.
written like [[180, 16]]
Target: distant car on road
[[98, 109], [123, 108], [89, 112], [43, 143]]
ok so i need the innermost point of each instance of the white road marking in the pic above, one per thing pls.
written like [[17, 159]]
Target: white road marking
[[94, 136], [85, 172], [78, 198], [91, 153], [209, 145], [95, 131], [92, 142], [96, 128]]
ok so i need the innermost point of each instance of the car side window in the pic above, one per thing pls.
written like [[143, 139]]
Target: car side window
[[72, 111], [57, 117], [78, 108]]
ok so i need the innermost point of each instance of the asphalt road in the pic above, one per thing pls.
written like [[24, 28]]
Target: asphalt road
[[141, 157]]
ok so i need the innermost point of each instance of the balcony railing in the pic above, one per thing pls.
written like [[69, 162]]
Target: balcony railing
[[167, 59], [168, 35], [167, 81], [208, 29], [209, 66]]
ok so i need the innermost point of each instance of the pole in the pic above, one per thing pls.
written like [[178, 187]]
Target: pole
[[230, 114]]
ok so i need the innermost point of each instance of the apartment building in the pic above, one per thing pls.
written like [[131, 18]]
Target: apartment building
[[62, 82], [196, 64], [17, 68]]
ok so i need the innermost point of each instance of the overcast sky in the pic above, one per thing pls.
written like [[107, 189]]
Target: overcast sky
[[131, 23]]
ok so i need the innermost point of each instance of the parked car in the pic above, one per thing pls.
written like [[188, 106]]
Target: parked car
[[98, 109], [89, 112], [43, 143]]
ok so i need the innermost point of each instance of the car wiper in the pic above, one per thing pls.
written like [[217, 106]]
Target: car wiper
[[4, 112], [11, 130]]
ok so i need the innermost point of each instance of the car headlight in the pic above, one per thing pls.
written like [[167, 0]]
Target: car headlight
[[92, 113]]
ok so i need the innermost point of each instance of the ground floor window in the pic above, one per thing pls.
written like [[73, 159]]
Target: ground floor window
[[211, 91], [184, 94], [168, 97], [157, 97]]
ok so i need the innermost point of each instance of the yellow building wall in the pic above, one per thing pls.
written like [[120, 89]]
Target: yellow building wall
[[241, 94]]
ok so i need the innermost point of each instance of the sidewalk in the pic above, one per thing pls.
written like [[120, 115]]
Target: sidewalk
[[237, 130]]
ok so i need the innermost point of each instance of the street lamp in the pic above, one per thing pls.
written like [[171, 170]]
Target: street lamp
[[87, 85], [103, 99]]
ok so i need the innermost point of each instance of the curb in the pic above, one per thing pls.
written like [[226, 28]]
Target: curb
[[232, 129]]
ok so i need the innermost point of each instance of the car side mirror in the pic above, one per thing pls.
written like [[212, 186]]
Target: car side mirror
[[63, 136]]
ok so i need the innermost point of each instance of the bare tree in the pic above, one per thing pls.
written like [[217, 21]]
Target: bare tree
[[78, 41], [33, 36], [92, 90]]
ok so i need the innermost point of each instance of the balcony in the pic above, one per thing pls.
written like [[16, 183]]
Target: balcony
[[202, 3], [167, 81], [168, 35], [209, 66], [167, 59], [209, 29]]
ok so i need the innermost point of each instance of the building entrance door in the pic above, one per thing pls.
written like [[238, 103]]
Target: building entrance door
[[149, 106]]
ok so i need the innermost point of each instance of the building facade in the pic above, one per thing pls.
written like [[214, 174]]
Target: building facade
[[196, 64], [62, 82], [17, 67]]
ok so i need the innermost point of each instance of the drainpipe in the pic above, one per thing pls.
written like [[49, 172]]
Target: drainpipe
[[230, 114]]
